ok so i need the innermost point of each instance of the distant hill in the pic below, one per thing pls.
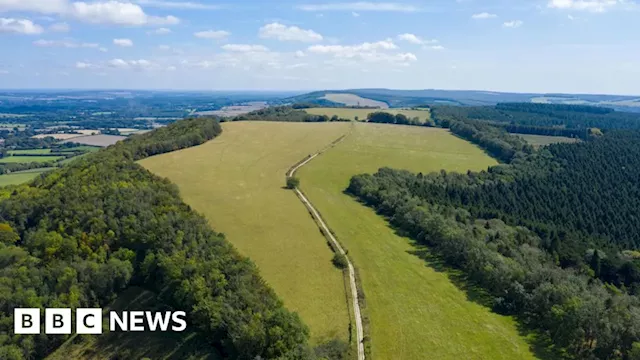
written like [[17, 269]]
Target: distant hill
[[410, 98]]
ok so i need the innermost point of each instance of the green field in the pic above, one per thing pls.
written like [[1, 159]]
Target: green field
[[236, 181], [28, 159], [30, 151], [157, 345], [79, 148], [416, 311], [542, 140], [21, 177], [347, 113]]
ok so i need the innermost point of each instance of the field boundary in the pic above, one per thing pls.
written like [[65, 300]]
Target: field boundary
[[356, 293]]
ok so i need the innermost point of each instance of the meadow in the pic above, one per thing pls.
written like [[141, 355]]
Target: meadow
[[21, 177], [415, 309], [361, 114], [30, 152], [28, 159], [542, 140], [237, 182]]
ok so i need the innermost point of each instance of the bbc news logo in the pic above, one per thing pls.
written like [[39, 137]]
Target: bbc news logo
[[89, 321]]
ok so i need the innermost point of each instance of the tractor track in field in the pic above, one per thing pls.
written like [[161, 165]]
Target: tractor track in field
[[325, 229]]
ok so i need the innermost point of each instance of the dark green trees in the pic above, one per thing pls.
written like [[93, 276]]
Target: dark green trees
[[80, 235], [292, 182]]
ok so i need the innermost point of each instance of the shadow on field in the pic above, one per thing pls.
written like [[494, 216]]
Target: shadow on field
[[539, 344]]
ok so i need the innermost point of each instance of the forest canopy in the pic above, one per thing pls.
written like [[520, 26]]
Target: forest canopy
[[78, 236]]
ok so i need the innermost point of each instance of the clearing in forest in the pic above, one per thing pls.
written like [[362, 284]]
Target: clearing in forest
[[361, 114], [415, 310], [543, 140], [237, 181]]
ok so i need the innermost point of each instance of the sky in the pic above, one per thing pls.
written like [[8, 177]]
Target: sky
[[571, 46]]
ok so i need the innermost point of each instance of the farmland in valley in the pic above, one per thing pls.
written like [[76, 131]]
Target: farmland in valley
[[361, 114], [414, 306], [237, 181]]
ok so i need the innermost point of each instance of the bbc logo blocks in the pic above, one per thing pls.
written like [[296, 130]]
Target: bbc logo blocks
[[89, 321], [57, 321]]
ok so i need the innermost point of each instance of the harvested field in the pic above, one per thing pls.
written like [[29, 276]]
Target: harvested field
[[361, 114], [96, 140], [354, 100]]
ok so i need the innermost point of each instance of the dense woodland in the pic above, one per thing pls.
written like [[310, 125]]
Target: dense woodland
[[78, 236], [552, 235], [543, 119]]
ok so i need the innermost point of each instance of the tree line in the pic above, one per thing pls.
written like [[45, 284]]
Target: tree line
[[580, 315], [78, 236]]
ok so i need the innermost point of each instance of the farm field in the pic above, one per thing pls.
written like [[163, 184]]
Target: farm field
[[60, 136], [30, 152], [416, 311], [157, 345], [542, 140], [347, 113], [21, 177], [236, 181], [28, 159], [96, 140], [354, 100]]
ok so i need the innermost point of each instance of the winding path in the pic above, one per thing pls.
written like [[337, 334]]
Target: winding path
[[325, 230]]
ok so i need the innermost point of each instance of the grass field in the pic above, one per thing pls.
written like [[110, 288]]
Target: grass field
[[30, 151], [416, 311], [541, 140], [86, 148], [28, 159], [21, 177], [132, 345], [236, 181], [347, 113]]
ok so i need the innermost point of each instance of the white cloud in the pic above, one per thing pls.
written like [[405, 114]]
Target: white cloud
[[83, 65], [300, 54], [436, 47], [123, 42], [141, 64], [4, 72], [349, 51], [118, 13], [288, 33], [484, 15], [19, 26], [40, 6], [59, 27], [570, 17], [245, 48], [65, 44], [355, 14], [212, 34], [98, 12], [586, 5], [360, 6], [103, 49], [181, 5], [513, 24], [352, 55], [160, 31], [414, 39]]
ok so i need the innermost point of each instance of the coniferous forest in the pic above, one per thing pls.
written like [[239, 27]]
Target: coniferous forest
[[80, 235], [552, 234]]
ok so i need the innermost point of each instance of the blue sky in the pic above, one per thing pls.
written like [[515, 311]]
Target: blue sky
[[583, 46]]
